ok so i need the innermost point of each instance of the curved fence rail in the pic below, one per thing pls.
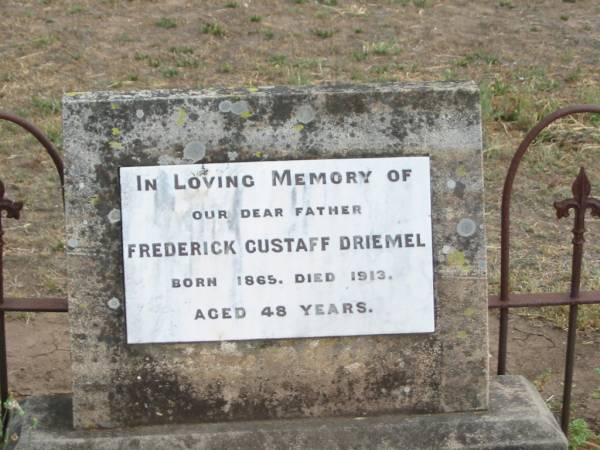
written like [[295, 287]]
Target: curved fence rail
[[580, 203], [13, 210]]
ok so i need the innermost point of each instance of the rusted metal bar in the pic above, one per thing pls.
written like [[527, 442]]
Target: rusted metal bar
[[565, 412], [42, 139], [13, 210], [543, 299], [505, 218], [34, 305], [580, 202]]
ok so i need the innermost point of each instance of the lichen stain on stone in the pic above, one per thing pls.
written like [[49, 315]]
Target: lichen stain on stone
[[469, 312], [181, 116], [462, 334], [241, 108], [281, 109], [457, 260], [459, 189], [468, 101], [466, 227], [461, 171], [344, 105], [305, 114], [225, 106], [158, 395], [194, 151], [114, 216], [94, 200]]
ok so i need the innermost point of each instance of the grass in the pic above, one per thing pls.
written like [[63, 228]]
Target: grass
[[277, 59], [268, 34], [183, 50], [580, 435], [323, 33], [214, 29], [476, 57], [46, 106], [41, 42], [76, 9], [166, 23], [416, 3], [384, 48], [225, 67], [170, 72]]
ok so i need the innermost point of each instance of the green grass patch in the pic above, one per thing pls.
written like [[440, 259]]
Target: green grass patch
[[277, 59], [506, 4], [46, 106], [76, 9], [170, 72], [213, 28], [268, 34], [182, 50], [476, 57], [165, 22], [323, 33], [580, 434]]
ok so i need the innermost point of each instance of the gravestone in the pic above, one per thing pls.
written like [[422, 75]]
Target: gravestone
[[303, 131], [282, 253]]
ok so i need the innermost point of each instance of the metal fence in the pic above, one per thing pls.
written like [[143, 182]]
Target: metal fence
[[579, 203], [13, 210]]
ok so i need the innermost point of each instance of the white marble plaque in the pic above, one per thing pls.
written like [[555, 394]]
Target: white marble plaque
[[278, 249]]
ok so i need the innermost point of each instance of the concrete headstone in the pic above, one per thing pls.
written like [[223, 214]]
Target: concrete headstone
[[140, 356]]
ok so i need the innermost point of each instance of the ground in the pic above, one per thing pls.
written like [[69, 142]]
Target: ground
[[528, 58]]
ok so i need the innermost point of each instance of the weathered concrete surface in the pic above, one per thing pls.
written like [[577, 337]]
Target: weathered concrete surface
[[119, 385], [517, 419]]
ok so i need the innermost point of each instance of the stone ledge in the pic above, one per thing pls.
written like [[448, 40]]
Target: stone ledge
[[517, 419]]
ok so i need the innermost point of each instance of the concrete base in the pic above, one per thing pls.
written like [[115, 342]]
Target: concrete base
[[517, 419]]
